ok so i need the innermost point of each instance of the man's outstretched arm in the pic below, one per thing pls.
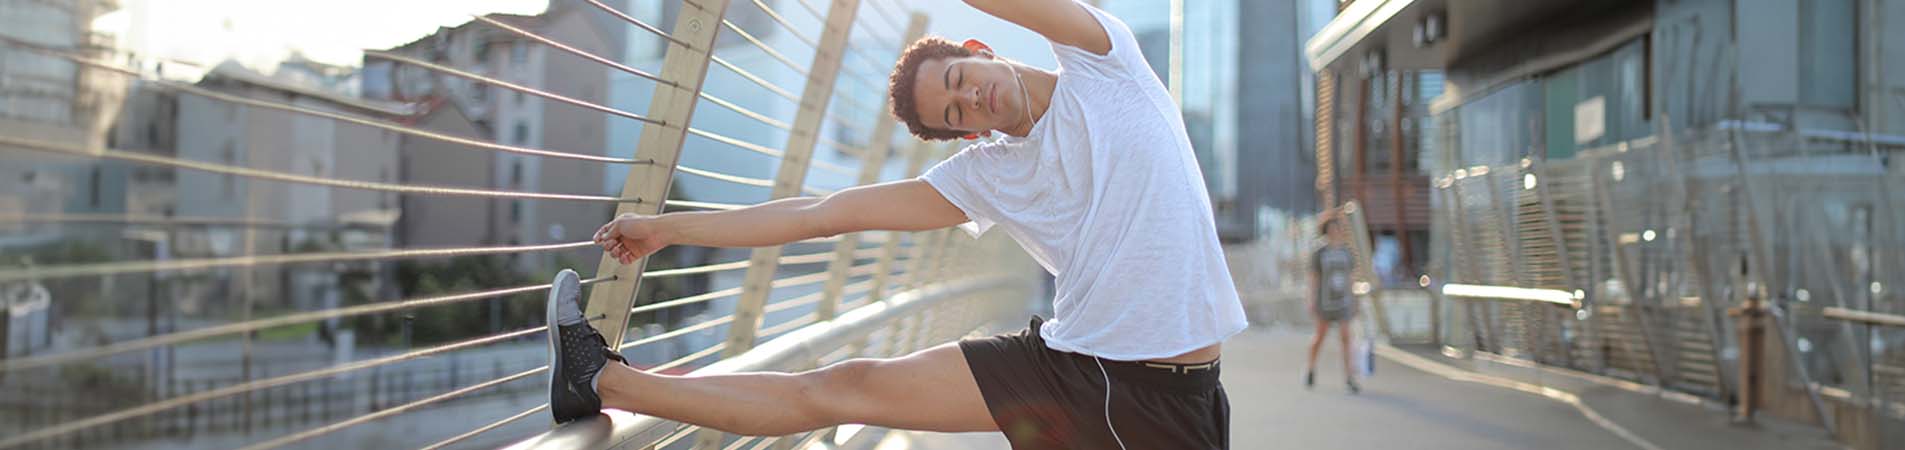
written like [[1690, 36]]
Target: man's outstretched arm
[[907, 205], [1061, 21]]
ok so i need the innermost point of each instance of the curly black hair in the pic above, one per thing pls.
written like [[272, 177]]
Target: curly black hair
[[900, 84]]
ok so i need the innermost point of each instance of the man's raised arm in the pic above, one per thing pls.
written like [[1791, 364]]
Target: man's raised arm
[[907, 205], [1061, 21]]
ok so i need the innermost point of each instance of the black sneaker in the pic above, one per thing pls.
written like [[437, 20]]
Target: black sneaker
[[576, 352], [1353, 387], [1309, 379]]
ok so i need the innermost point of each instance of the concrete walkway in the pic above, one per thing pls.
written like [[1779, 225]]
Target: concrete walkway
[[1403, 407]]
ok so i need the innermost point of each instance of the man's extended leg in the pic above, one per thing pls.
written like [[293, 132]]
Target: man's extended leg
[[931, 390]]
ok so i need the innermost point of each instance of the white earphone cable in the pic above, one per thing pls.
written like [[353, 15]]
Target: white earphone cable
[[1107, 375], [1025, 98]]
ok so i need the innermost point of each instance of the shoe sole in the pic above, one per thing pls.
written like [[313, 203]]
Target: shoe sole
[[553, 334]]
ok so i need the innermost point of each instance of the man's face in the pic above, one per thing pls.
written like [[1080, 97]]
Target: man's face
[[970, 94]]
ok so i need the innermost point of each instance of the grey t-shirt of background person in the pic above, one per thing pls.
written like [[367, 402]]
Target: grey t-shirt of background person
[[1333, 265]]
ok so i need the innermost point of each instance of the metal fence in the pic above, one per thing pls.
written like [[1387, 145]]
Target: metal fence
[[878, 294], [1654, 247]]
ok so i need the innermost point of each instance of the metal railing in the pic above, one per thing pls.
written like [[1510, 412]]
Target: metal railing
[[1647, 245], [1882, 376], [878, 293], [900, 324]]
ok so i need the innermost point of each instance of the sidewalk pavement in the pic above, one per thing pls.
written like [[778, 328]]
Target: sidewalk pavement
[[1419, 399]]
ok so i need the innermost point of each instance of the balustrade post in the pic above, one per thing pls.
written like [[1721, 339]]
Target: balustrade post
[[673, 104], [878, 146]]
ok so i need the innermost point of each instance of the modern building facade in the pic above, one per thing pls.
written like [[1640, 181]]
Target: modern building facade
[[1665, 161], [48, 98], [1239, 74], [1371, 131], [858, 93], [447, 221], [1546, 79], [308, 217], [507, 117]]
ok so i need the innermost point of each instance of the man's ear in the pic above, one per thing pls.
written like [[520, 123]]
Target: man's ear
[[979, 48]]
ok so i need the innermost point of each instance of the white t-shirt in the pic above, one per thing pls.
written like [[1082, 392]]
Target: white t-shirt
[[1106, 194]]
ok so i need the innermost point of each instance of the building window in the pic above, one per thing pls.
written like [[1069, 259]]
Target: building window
[[521, 136], [482, 51], [515, 211], [518, 54], [1829, 53], [516, 173]]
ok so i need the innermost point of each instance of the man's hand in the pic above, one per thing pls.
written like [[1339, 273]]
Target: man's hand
[[630, 237]]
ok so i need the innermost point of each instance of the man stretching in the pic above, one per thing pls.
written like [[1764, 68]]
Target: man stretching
[[1093, 176]]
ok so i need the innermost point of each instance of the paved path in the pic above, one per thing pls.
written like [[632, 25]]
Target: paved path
[[1402, 407]]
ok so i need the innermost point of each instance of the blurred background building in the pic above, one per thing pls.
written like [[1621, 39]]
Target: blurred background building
[[1241, 88], [1663, 159], [55, 99], [465, 107], [1545, 80], [860, 94]]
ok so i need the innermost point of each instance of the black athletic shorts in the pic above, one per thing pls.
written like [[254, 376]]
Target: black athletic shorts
[[1047, 399]]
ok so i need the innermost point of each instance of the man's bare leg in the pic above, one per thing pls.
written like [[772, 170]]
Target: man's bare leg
[[930, 390]]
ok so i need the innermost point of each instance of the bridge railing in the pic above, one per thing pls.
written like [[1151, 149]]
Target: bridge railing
[[1646, 250], [775, 308], [903, 323], [1883, 375]]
